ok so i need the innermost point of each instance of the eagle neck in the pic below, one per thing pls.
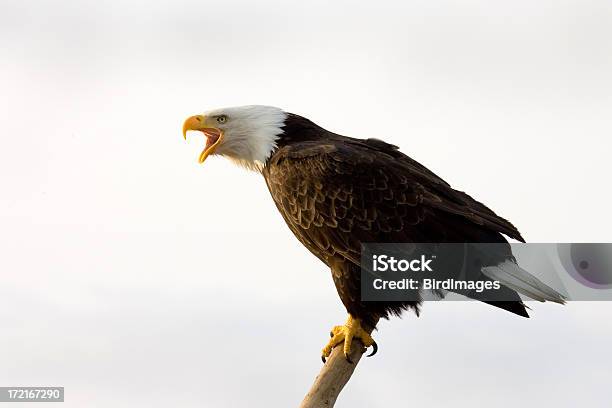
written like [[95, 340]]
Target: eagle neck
[[298, 129]]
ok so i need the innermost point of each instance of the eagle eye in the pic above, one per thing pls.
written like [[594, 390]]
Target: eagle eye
[[221, 119]]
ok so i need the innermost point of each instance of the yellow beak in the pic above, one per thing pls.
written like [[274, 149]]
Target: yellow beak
[[214, 136]]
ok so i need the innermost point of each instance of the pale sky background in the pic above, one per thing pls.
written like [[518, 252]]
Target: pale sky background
[[132, 276]]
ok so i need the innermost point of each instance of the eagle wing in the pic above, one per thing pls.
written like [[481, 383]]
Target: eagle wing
[[336, 195]]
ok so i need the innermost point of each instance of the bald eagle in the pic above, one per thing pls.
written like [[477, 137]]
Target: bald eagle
[[337, 192]]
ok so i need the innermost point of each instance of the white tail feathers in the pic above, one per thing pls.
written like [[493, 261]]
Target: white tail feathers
[[514, 277]]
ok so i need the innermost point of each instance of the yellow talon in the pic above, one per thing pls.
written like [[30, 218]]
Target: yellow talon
[[352, 329]]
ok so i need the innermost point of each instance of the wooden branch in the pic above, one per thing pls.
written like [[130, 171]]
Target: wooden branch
[[333, 376]]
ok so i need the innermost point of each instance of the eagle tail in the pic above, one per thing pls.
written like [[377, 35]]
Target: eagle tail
[[509, 274], [516, 307]]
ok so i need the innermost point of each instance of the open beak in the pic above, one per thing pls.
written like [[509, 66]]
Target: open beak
[[213, 135]]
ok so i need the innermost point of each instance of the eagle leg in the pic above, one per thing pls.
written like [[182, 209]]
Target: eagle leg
[[351, 330]]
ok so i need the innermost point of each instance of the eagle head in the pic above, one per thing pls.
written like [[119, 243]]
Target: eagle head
[[246, 135]]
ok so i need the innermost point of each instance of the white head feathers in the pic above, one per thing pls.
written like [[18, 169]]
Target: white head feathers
[[249, 133]]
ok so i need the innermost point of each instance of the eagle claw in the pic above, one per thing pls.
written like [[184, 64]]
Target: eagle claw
[[345, 334], [374, 349]]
